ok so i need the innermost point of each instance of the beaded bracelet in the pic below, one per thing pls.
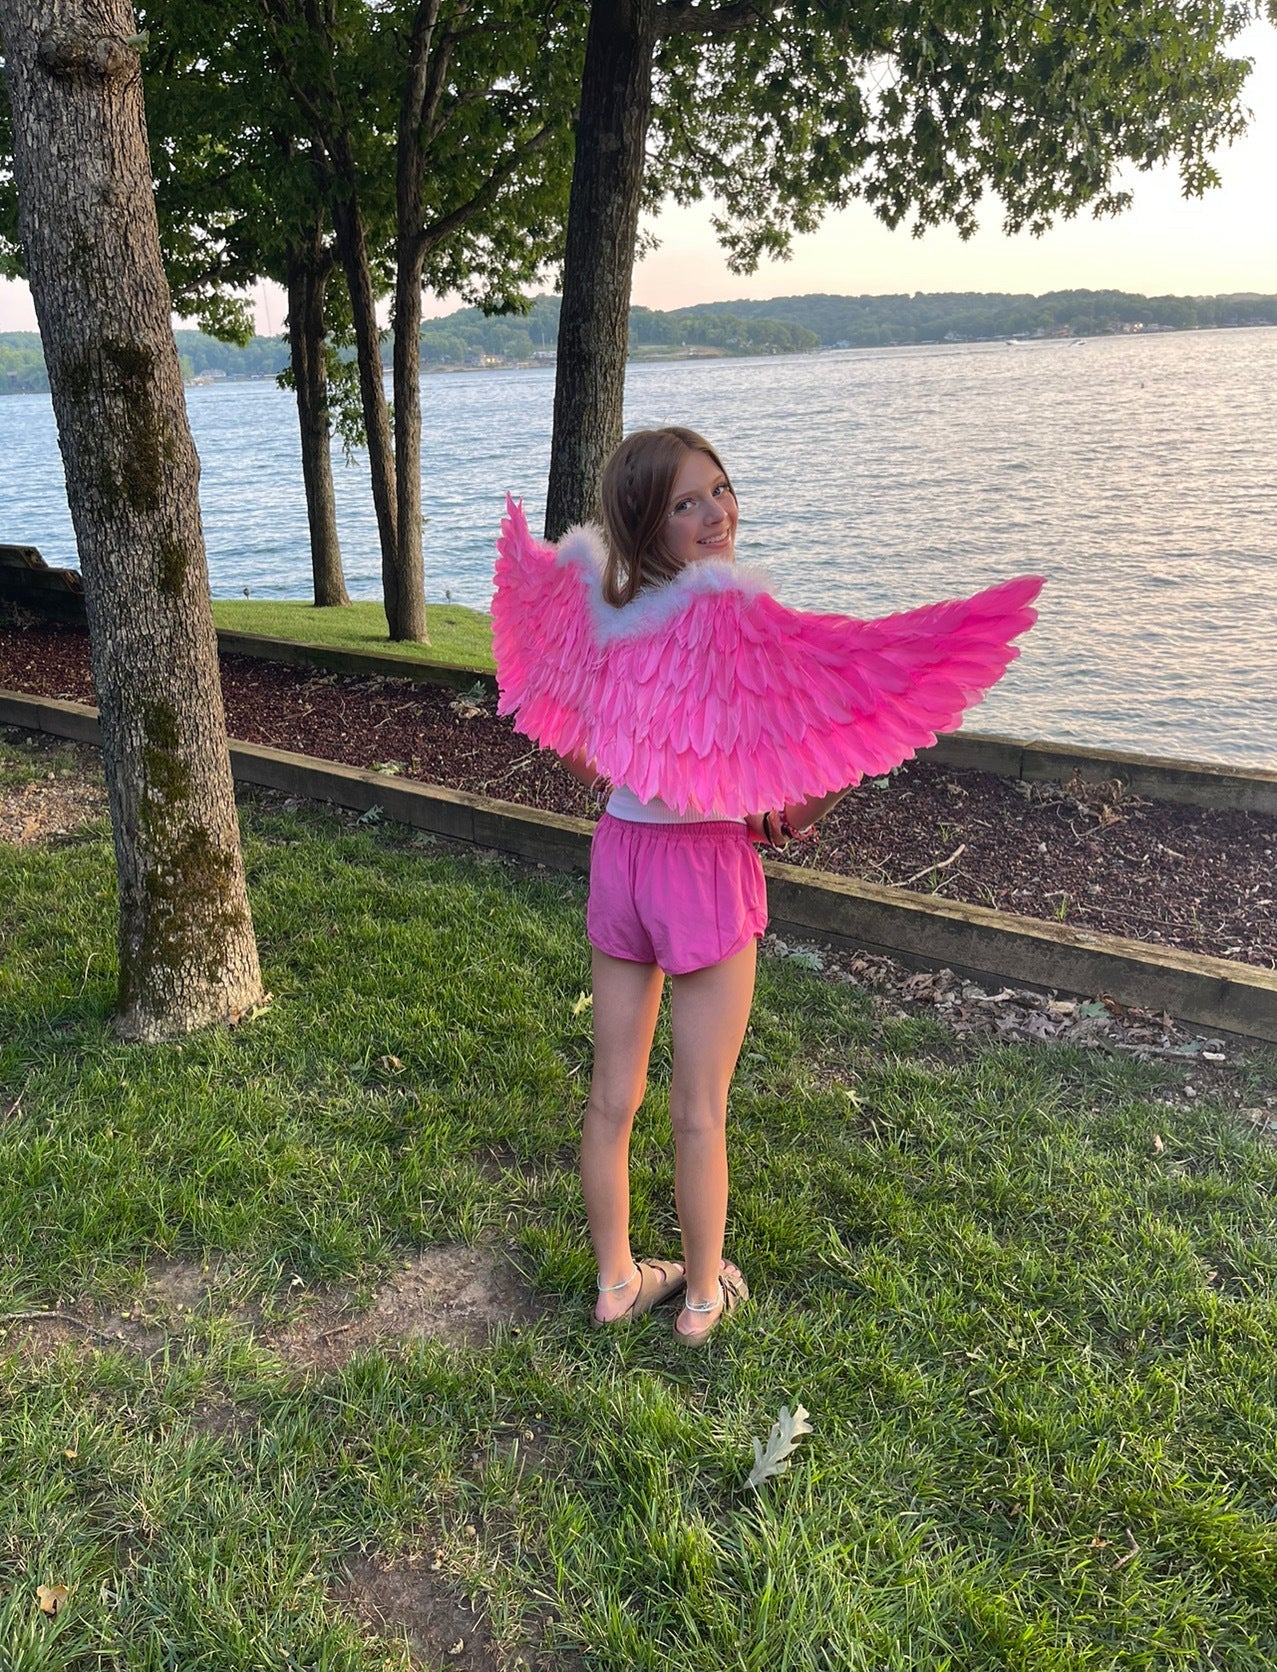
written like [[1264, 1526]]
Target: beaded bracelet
[[789, 833]]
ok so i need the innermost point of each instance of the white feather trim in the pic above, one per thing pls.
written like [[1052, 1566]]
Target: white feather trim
[[586, 550]]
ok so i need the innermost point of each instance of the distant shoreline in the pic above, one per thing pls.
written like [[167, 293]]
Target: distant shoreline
[[662, 353], [468, 340]]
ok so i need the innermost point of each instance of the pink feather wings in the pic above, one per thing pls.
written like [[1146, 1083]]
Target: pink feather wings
[[716, 698]]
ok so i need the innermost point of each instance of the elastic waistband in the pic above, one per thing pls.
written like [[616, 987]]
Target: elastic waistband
[[712, 830]]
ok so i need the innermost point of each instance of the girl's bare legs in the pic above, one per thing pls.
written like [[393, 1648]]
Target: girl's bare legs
[[627, 998], [709, 1014]]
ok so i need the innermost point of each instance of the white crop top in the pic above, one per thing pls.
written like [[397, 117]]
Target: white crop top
[[624, 804]]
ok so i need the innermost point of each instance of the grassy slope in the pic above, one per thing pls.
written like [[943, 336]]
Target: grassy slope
[[1018, 1329], [459, 637]]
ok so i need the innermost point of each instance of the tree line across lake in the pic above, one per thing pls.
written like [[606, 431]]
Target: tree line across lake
[[781, 325]]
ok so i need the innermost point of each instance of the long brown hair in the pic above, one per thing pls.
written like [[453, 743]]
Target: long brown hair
[[638, 480]]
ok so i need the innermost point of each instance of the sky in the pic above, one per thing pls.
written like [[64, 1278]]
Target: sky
[[1164, 245]]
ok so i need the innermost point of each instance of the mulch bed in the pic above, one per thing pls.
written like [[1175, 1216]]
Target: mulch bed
[[1194, 879]]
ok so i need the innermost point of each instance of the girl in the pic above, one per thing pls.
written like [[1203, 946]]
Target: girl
[[671, 895], [686, 680]]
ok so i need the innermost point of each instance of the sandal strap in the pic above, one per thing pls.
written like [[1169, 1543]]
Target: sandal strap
[[614, 1288]]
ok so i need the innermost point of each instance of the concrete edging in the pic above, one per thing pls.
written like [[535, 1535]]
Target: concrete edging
[[918, 929]]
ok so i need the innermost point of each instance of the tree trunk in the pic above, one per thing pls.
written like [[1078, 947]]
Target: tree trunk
[[352, 251], [410, 581], [87, 214], [410, 624], [308, 270], [603, 212]]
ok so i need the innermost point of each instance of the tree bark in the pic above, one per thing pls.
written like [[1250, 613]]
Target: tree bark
[[598, 268], [308, 271], [410, 622], [187, 953], [352, 251]]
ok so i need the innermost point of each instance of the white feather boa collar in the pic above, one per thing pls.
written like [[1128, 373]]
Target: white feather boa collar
[[586, 550]]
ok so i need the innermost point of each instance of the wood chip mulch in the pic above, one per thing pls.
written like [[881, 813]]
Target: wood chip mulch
[[1194, 879]]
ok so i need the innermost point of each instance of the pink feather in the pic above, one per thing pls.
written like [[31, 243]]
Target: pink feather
[[715, 697]]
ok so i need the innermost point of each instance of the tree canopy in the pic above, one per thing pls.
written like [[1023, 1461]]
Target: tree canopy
[[919, 107], [922, 107]]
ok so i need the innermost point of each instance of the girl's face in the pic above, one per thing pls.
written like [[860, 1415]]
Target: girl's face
[[700, 520]]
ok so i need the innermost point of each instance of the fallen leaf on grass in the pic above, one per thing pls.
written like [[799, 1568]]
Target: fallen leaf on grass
[[51, 1598], [784, 1437], [585, 1001], [390, 1065], [1159, 1143], [806, 957]]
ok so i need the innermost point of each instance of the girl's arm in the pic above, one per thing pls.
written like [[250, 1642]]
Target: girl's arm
[[583, 770], [778, 826], [806, 813]]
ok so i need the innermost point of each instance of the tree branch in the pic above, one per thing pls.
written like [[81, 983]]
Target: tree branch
[[418, 79], [307, 104], [429, 109], [685, 18], [431, 237]]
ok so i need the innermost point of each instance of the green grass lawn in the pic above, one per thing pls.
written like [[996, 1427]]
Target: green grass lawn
[[1025, 1294], [459, 637]]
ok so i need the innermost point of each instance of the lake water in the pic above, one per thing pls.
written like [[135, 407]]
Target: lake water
[[1136, 473]]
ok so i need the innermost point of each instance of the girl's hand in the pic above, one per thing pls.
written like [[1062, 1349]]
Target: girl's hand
[[771, 829]]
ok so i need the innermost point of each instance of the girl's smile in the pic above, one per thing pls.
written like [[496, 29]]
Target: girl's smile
[[701, 520]]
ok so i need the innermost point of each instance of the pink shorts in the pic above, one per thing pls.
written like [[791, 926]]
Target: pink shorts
[[683, 896]]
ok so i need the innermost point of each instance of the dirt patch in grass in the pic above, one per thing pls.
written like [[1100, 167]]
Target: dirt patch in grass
[[413, 1601], [56, 804], [451, 1293], [454, 1294], [220, 1419], [172, 1295]]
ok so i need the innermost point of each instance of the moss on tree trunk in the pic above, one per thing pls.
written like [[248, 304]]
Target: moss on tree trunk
[[187, 953]]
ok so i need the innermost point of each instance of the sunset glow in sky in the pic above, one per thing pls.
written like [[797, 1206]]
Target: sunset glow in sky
[[1164, 245]]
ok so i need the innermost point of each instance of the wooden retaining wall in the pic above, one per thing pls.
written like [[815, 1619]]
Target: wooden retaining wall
[[988, 946]]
